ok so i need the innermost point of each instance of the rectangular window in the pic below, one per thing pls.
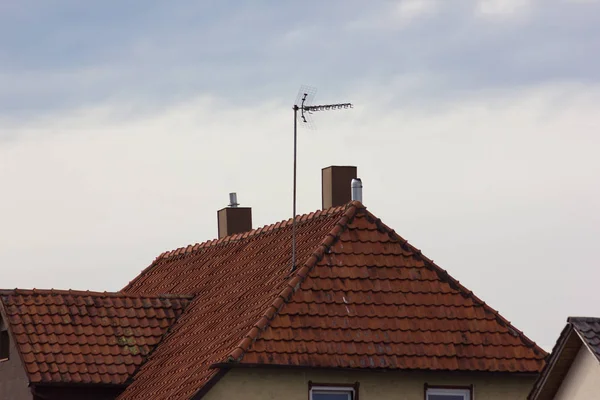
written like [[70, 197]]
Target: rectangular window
[[325, 391], [4, 345], [447, 393], [330, 394]]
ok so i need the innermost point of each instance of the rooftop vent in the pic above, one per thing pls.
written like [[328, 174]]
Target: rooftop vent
[[357, 189]]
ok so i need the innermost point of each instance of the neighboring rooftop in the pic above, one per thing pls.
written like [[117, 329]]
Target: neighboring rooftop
[[66, 336], [362, 297], [580, 332], [589, 331]]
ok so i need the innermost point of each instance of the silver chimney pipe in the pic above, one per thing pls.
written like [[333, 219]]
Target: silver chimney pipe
[[233, 200], [357, 189]]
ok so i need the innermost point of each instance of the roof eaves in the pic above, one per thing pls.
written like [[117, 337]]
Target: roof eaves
[[78, 384], [73, 292], [445, 276], [230, 365], [294, 283]]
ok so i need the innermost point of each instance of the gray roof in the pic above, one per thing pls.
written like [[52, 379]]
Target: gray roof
[[579, 331], [589, 330]]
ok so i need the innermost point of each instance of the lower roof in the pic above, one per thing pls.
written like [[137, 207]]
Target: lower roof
[[66, 336], [579, 331]]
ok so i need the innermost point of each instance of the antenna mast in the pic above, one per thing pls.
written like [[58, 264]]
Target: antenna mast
[[305, 96]]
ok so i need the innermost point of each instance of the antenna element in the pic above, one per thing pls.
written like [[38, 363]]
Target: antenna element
[[305, 96]]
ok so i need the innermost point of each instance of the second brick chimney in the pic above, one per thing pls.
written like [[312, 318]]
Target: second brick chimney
[[234, 219], [336, 185]]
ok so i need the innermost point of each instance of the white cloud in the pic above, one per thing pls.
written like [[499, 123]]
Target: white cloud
[[399, 15], [409, 10], [503, 9]]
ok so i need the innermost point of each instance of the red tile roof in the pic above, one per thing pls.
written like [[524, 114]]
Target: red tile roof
[[373, 301], [363, 298], [236, 279], [86, 337]]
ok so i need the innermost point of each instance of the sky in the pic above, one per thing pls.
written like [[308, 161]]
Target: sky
[[475, 129]]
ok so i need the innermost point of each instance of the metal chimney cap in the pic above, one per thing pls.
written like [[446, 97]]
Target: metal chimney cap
[[357, 187], [233, 200]]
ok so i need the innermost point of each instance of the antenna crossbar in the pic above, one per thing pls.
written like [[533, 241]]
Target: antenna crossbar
[[327, 107]]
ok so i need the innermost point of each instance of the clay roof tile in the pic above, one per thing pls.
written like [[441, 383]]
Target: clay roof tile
[[55, 341]]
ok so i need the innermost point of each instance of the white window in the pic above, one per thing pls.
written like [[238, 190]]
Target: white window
[[448, 394], [331, 393]]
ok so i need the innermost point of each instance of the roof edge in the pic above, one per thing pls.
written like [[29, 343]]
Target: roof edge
[[229, 365], [445, 276], [587, 320], [72, 292], [78, 384], [352, 209]]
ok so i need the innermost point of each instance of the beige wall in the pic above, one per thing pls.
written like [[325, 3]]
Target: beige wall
[[267, 384], [583, 379], [14, 384]]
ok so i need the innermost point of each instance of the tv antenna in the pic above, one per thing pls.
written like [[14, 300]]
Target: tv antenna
[[303, 105]]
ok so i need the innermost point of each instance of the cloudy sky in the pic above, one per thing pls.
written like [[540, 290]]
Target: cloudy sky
[[124, 126]]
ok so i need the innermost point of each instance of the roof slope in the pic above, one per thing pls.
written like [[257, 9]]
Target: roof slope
[[373, 301], [579, 331], [236, 278], [86, 337], [362, 298]]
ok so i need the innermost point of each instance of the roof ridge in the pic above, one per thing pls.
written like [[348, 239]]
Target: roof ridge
[[293, 284], [254, 232], [300, 219], [34, 291], [582, 319], [445, 276]]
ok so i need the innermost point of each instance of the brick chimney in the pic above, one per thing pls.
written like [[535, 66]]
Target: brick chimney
[[336, 184], [234, 219]]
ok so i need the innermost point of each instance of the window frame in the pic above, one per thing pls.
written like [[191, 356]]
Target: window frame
[[449, 389], [349, 387]]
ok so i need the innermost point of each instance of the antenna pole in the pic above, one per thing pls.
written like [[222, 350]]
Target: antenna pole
[[294, 206], [305, 109]]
